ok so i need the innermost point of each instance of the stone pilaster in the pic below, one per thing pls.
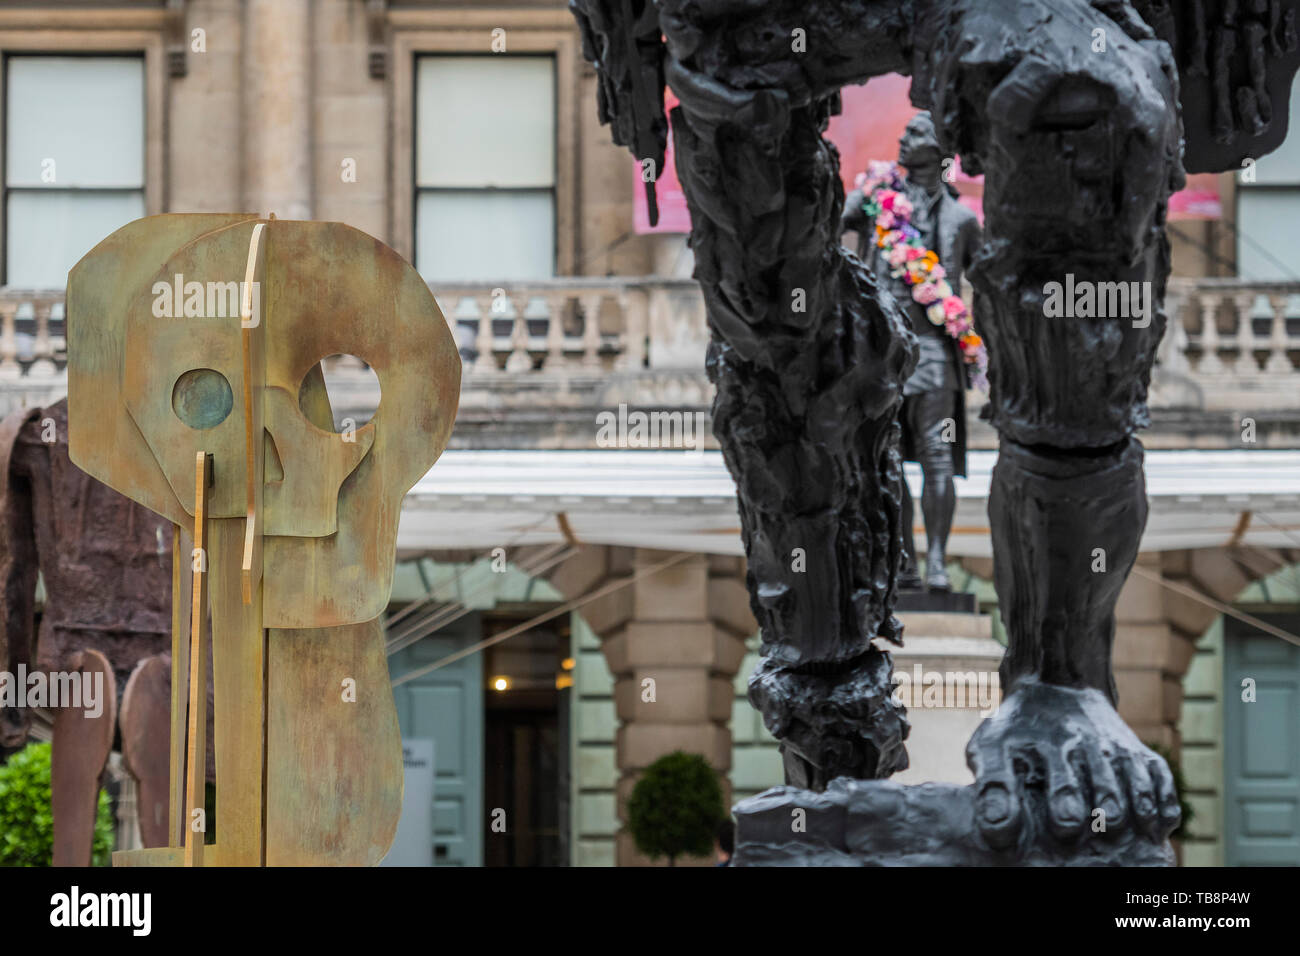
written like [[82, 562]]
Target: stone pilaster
[[278, 108], [673, 641], [1151, 655]]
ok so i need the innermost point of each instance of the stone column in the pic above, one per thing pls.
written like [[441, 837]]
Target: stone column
[[673, 643], [277, 108], [1151, 655], [206, 138]]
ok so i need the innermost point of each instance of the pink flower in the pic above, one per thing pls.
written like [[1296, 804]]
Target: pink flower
[[925, 294], [886, 219], [886, 199], [913, 253], [903, 207], [897, 256], [937, 273], [953, 307], [879, 169]]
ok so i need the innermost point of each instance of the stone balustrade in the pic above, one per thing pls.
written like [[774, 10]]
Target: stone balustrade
[[31, 334], [1230, 346], [576, 325]]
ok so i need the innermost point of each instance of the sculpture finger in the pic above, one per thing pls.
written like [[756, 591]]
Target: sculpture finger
[[1141, 792], [1106, 791], [1066, 811], [997, 807]]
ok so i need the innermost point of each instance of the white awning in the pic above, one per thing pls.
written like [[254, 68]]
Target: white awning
[[682, 500]]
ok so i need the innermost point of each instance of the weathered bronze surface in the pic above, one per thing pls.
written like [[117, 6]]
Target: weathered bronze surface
[[302, 519]]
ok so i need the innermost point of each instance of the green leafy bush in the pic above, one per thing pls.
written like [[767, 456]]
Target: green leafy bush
[[26, 823], [676, 807]]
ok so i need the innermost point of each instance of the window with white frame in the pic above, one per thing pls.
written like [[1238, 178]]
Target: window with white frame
[[74, 160], [485, 167], [1268, 209]]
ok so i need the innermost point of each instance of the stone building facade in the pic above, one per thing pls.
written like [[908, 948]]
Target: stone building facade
[[465, 135]]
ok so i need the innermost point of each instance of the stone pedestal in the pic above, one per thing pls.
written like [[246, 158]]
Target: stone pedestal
[[947, 677]]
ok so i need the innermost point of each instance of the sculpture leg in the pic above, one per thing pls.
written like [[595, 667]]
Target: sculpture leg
[[1080, 155], [908, 574], [146, 735], [334, 774], [808, 357], [939, 491], [77, 758]]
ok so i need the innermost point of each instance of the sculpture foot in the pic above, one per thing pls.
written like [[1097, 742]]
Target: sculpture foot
[[910, 581], [936, 576], [835, 720], [1060, 761]]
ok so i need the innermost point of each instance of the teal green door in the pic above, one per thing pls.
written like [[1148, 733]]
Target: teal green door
[[1261, 746], [447, 706]]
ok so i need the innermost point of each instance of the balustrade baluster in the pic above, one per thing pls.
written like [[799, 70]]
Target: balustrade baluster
[[1210, 363], [9, 367], [43, 366], [520, 360], [486, 361], [1245, 314], [635, 305], [591, 329], [1278, 362], [556, 305]]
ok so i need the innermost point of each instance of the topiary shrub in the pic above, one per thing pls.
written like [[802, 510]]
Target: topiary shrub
[[26, 823], [675, 807]]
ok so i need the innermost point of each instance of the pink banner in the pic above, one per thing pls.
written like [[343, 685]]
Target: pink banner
[[874, 116], [673, 215]]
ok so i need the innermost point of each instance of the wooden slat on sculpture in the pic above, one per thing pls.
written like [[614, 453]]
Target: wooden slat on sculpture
[[197, 713], [182, 581]]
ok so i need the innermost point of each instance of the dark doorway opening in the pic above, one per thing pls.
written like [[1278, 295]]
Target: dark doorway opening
[[526, 743]]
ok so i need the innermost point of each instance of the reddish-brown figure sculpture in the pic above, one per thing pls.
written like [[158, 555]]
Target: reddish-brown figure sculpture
[[106, 566]]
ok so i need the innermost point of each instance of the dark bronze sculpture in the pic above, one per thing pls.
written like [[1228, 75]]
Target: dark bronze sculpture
[[1072, 110], [933, 415]]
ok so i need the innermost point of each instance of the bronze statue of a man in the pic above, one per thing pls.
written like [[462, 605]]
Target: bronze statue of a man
[[933, 416]]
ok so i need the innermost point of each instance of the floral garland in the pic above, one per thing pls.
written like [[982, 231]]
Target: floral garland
[[885, 201]]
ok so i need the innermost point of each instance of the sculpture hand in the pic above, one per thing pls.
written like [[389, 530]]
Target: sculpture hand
[[1052, 757]]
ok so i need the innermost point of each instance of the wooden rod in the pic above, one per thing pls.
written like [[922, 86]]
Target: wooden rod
[[180, 678], [196, 768]]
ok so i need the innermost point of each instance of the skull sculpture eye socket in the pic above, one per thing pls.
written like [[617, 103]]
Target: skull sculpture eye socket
[[202, 398], [340, 394]]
